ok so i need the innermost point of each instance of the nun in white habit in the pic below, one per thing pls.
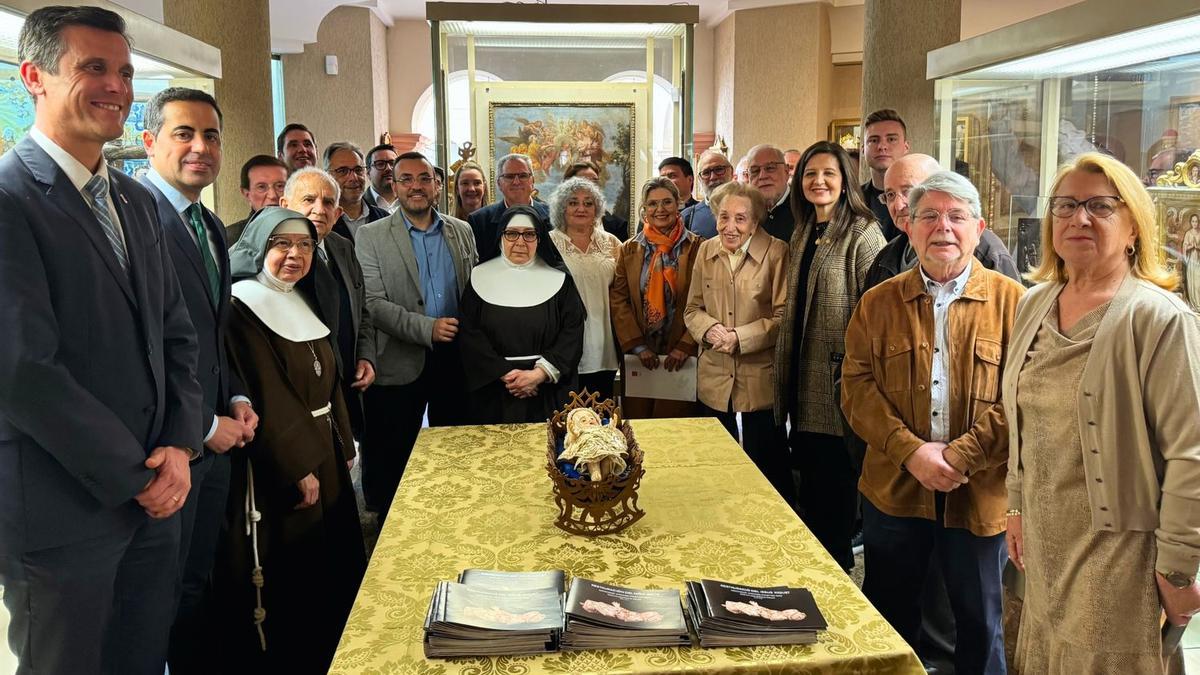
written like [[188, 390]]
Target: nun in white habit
[[292, 555], [522, 326]]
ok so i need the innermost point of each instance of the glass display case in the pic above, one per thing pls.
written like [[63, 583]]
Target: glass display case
[[1012, 105], [161, 58], [563, 84]]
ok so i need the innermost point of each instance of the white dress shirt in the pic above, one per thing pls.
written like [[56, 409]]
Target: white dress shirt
[[939, 375]]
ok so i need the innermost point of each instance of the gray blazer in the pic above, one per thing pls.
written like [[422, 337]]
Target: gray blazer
[[395, 299]]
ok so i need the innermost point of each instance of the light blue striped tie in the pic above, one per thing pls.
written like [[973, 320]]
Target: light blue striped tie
[[97, 187]]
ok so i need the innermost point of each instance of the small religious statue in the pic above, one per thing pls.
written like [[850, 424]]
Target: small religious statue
[[598, 450]]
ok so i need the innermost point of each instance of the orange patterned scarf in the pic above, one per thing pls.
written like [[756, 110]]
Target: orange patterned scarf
[[661, 275]]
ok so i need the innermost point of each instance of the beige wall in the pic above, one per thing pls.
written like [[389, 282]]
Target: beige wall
[[784, 76], [724, 44], [846, 96], [241, 30], [410, 70], [983, 16], [379, 77], [703, 57], [339, 107]]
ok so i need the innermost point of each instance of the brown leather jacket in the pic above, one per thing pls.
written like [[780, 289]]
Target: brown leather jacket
[[886, 398]]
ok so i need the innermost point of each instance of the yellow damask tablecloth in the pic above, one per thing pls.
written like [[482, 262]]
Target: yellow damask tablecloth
[[480, 497]]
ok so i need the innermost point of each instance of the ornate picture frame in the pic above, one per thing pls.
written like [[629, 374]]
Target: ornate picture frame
[[846, 132], [557, 134], [1177, 212]]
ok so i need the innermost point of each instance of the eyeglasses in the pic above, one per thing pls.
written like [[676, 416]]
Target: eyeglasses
[[1100, 206], [284, 245], [714, 172], [516, 177], [423, 179], [381, 164], [769, 167], [529, 236], [263, 188], [343, 171], [930, 217]]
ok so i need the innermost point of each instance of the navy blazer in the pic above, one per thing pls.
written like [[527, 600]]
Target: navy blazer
[[208, 318], [374, 213], [97, 365], [485, 223]]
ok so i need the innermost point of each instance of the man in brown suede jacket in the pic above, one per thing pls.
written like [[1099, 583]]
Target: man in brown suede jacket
[[921, 385]]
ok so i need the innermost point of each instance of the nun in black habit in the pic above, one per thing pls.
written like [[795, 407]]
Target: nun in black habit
[[522, 326]]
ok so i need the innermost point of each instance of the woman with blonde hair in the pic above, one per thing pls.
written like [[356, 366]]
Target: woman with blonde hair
[[649, 294], [1104, 510], [470, 190]]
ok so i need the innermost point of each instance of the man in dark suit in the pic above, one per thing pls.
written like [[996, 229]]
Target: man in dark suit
[[183, 143], [679, 170], [344, 161], [341, 293], [263, 178], [767, 169], [514, 178], [99, 404]]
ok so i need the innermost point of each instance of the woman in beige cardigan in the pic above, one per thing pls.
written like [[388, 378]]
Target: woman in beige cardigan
[[834, 244], [739, 288], [1101, 390]]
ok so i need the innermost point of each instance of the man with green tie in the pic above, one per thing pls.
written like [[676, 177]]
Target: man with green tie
[[183, 143]]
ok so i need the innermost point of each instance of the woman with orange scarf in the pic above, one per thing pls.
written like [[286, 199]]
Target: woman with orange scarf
[[649, 293]]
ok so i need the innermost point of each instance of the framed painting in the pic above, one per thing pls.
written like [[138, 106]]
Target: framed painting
[[1184, 117], [556, 135], [1178, 212], [846, 133]]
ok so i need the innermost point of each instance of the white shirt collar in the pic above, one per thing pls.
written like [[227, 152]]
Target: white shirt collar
[[787, 191], [76, 172], [955, 285]]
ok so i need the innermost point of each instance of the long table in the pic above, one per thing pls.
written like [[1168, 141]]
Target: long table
[[480, 497]]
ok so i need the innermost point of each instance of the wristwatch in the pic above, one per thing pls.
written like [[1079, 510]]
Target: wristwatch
[[1179, 579]]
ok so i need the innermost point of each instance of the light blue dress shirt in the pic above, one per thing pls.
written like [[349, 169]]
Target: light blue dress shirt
[[939, 374], [439, 280]]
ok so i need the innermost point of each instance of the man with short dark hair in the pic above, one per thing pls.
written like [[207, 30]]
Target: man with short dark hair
[[344, 161], [100, 411], [767, 171], [296, 146], [338, 278], [885, 141], [182, 138], [614, 225], [262, 181], [514, 179], [715, 171], [415, 264], [679, 170], [381, 193]]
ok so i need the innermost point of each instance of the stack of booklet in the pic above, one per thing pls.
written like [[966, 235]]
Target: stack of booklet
[[728, 615], [490, 613], [600, 616]]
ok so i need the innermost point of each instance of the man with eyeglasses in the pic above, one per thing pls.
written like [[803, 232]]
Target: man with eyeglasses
[[340, 292], [715, 171], [679, 170], [884, 140], [263, 178], [415, 264], [381, 193], [898, 256], [921, 384], [514, 179], [344, 161], [767, 169]]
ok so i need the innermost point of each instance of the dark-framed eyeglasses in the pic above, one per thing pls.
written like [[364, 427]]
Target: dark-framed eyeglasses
[[343, 171], [1100, 206], [529, 236], [521, 176], [381, 164], [714, 171], [284, 245]]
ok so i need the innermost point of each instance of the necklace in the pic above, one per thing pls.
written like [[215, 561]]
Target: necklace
[[316, 361]]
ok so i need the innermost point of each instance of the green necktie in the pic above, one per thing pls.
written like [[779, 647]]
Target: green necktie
[[214, 274]]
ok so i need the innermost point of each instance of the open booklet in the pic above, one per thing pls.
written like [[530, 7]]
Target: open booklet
[[729, 615], [602, 616], [491, 613]]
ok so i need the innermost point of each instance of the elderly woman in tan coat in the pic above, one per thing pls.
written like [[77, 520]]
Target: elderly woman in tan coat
[[737, 297], [1101, 388], [649, 293]]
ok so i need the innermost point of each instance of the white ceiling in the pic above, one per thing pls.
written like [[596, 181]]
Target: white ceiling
[[294, 22]]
